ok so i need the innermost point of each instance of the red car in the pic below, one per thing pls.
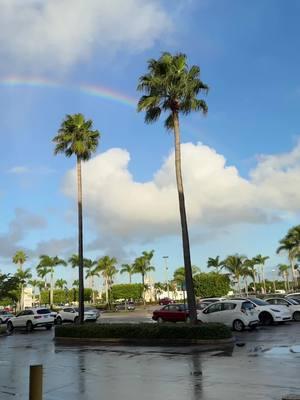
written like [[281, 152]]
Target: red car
[[165, 301], [172, 313]]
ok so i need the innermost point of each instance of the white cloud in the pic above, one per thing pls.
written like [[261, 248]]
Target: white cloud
[[122, 210], [59, 33], [18, 170]]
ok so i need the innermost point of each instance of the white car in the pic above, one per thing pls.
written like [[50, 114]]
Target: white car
[[293, 306], [30, 319], [71, 314], [268, 313], [237, 314]]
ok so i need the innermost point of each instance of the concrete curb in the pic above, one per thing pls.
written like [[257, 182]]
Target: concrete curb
[[143, 342]]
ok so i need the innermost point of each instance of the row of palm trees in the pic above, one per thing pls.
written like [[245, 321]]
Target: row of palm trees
[[106, 267]]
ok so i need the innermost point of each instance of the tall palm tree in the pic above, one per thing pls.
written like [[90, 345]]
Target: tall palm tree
[[76, 137], [291, 244], [34, 284], [215, 263], [170, 86], [234, 265], [60, 283], [24, 276], [89, 264], [260, 261], [128, 269], [19, 258], [142, 266], [106, 266], [51, 263], [41, 285], [284, 272]]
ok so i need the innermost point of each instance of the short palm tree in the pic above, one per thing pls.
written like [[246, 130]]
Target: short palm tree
[[170, 86], [291, 245], [24, 276], [51, 263], [283, 270], [250, 263], [60, 283], [127, 269], [77, 137], [260, 261], [234, 265], [34, 284], [142, 265], [179, 274], [19, 258], [106, 266], [215, 263]]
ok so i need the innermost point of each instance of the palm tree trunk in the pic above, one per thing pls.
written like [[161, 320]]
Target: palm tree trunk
[[293, 272], [239, 285], [184, 227], [263, 279], [143, 283], [106, 290], [51, 288], [254, 282], [80, 243], [246, 286], [130, 278], [287, 281]]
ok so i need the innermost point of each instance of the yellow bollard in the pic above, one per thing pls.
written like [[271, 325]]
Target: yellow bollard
[[36, 382]]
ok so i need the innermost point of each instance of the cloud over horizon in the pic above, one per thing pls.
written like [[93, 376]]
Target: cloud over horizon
[[122, 209]]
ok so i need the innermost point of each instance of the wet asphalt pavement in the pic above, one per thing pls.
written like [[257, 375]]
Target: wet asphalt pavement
[[264, 364]]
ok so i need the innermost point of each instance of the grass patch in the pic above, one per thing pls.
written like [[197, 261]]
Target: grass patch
[[144, 331]]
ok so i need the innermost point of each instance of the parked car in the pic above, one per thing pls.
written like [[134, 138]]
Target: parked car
[[212, 299], [165, 301], [172, 313], [5, 316], [268, 313], [128, 305], [294, 306], [30, 319], [203, 304], [71, 314], [237, 314], [294, 295]]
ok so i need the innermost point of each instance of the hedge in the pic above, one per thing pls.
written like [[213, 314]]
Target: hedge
[[144, 331], [211, 284], [127, 291]]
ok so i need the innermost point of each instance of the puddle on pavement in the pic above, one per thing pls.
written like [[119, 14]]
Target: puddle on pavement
[[276, 351]]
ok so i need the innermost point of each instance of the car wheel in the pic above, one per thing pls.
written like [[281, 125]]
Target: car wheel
[[29, 326], [58, 321], [48, 327], [265, 318], [160, 320], [296, 316], [238, 325], [10, 327], [76, 320]]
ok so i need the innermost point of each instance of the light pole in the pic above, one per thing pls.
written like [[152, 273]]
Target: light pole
[[167, 278], [274, 285]]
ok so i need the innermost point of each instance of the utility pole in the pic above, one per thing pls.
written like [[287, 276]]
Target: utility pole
[[167, 278]]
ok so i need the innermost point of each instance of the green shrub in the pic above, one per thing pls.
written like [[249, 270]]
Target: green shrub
[[211, 284], [127, 291], [144, 331]]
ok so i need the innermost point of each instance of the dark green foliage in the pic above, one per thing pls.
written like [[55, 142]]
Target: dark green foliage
[[211, 284], [145, 331], [9, 287], [65, 296], [127, 291]]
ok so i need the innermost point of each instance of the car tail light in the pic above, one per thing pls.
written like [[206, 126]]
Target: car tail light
[[37, 316]]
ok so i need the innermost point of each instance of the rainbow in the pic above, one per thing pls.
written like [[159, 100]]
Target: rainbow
[[87, 89]]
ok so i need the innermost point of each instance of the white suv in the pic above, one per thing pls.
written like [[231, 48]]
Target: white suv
[[71, 314], [237, 314], [268, 313], [30, 319]]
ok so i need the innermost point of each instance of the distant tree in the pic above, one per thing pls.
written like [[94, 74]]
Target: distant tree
[[77, 137], [215, 263], [234, 265], [283, 270], [142, 265], [260, 261], [106, 267], [60, 283], [19, 258], [128, 269], [23, 276]]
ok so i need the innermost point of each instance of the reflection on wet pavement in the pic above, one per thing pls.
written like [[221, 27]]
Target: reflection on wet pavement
[[258, 369]]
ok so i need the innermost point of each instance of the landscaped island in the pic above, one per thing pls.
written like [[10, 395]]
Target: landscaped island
[[144, 334]]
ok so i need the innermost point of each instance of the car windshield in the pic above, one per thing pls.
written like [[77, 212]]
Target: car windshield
[[259, 302], [292, 301], [43, 311]]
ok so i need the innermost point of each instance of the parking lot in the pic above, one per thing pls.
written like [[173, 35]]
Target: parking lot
[[263, 364]]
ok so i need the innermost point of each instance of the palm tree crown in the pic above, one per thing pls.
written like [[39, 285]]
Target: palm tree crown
[[76, 136], [19, 258], [128, 269], [170, 86], [215, 263]]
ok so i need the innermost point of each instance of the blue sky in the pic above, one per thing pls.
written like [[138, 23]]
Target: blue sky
[[248, 54]]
